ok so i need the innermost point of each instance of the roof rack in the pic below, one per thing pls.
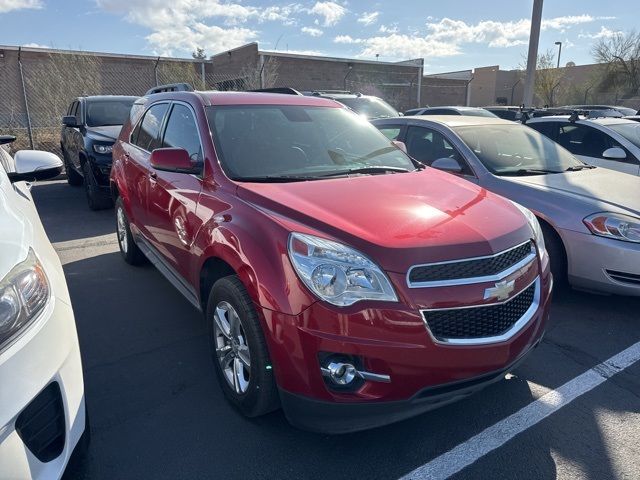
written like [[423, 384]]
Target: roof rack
[[281, 90], [170, 87]]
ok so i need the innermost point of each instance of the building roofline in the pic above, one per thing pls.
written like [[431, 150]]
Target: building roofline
[[101, 54]]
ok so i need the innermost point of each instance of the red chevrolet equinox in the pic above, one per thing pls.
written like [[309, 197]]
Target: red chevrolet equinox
[[340, 279]]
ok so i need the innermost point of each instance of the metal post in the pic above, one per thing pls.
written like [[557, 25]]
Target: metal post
[[468, 92], [559, 52], [204, 78], [344, 82], [155, 71], [513, 87], [262, 70], [26, 101], [420, 75], [532, 57]]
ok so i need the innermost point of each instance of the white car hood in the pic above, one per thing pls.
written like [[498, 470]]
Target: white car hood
[[599, 186], [16, 232]]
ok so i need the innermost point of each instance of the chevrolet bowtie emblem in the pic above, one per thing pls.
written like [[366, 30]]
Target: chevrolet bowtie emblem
[[501, 291]]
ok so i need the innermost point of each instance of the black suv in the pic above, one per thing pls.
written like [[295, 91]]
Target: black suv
[[90, 127]]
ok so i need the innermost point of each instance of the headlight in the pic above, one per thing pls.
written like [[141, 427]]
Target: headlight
[[538, 237], [614, 225], [104, 149], [24, 292], [336, 273]]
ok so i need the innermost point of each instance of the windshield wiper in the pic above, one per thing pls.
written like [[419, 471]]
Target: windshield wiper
[[577, 168], [530, 171], [371, 169]]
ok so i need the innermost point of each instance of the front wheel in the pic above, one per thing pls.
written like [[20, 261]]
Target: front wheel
[[557, 255], [96, 199], [239, 350], [73, 178], [130, 251]]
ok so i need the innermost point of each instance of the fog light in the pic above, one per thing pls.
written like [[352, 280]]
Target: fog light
[[342, 373]]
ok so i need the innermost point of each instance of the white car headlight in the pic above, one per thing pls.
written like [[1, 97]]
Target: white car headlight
[[538, 237], [24, 292], [336, 273], [614, 225], [104, 149]]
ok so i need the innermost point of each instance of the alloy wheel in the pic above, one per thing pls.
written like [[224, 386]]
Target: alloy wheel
[[232, 349], [122, 230]]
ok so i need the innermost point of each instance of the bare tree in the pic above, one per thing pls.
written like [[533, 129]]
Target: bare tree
[[620, 53], [548, 77], [260, 76]]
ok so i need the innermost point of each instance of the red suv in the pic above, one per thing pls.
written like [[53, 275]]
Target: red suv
[[340, 279]]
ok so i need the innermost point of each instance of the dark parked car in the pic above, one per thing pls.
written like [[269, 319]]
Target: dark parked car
[[512, 113], [89, 130], [366, 105], [616, 108], [472, 111]]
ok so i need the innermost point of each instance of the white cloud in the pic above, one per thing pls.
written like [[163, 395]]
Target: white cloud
[[183, 25], [314, 32], [393, 28], [369, 18], [603, 33], [10, 5], [331, 12], [35, 45]]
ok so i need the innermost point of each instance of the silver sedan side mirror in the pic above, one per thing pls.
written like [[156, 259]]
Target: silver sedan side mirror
[[447, 164], [614, 153]]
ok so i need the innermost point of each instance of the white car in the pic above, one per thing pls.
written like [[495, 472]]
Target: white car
[[42, 408], [604, 142]]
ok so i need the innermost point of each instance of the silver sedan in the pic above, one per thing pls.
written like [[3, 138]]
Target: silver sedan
[[590, 216]]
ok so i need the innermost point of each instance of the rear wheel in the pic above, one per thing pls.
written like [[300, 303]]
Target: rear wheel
[[97, 199], [239, 350], [128, 247]]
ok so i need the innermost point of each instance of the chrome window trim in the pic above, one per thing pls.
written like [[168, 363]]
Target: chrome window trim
[[519, 325], [473, 280]]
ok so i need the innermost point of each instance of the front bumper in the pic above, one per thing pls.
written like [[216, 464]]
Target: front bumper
[[46, 355], [389, 341], [101, 168], [595, 262], [336, 418]]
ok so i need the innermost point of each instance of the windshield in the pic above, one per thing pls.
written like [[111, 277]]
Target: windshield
[[369, 107], [515, 149], [630, 131], [263, 142], [101, 113]]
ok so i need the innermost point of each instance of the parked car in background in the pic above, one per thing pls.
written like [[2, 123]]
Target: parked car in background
[[89, 129], [635, 118], [618, 109], [367, 106], [605, 142], [340, 279], [42, 409], [590, 216], [507, 113], [472, 111], [415, 111]]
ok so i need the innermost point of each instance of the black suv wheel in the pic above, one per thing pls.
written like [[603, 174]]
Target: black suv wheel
[[96, 199]]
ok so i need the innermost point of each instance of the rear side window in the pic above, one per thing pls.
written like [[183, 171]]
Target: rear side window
[[584, 140], [548, 129], [440, 111], [391, 132], [147, 134], [182, 132]]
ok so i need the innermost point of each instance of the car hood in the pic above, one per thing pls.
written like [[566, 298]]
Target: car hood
[[604, 188], [108, 133], [16, 234], [396, 219]]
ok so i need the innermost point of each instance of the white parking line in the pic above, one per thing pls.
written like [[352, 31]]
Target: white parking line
[[497, 435]]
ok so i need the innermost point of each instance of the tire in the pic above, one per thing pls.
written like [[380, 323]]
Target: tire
[[260, 395], [557, 255], [96, 199], [73, 178], [130, 251]]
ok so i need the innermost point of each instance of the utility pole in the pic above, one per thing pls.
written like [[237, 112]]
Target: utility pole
[[532, 57]]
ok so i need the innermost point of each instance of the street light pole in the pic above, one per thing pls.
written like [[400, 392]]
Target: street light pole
[[559, 52], [532, 57]]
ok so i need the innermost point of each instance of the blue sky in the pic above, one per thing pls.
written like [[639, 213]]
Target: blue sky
[[450, 35]]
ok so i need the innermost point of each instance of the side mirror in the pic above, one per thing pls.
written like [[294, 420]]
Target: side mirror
[[614, 153], [400, 145], [4, 139], [175, 160], [447, 164], [32, 165], [70, 121]]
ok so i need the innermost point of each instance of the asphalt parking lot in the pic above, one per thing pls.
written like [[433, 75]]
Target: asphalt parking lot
[[157, 412]]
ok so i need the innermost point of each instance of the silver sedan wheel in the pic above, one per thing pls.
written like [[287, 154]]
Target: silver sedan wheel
[[232, 349], [122, 230]]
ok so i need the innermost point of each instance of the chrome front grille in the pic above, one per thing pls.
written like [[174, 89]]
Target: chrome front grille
[[472, 270], [480, 324]]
